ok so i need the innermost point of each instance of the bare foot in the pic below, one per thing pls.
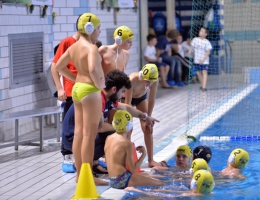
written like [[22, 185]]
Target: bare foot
[[100, 182]]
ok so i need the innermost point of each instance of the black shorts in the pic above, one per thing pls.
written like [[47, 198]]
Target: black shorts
[[136, 101]]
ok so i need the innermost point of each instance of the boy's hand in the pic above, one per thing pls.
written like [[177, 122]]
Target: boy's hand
[[201, 62], [150, 120], [141, 149]]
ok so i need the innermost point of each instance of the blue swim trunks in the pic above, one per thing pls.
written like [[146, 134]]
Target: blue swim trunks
[[121, 181], [199, 67]]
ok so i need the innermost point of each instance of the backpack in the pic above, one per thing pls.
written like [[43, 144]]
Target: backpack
[[159, 24]]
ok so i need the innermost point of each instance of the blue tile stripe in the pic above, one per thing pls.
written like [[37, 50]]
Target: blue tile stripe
[[84, 3], [0, 73], [0, 52], [1, 95], [194, 122], [243, 35], [79, 11]]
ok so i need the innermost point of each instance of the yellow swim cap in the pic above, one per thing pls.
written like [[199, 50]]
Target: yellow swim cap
[[149, 72], [202, 182], [87, 23], [238, 158], [184, 149], [122, 121], [198, 164], [123, 33]]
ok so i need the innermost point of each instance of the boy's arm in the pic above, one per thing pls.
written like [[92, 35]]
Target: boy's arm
[[94, 67], [56, 78], [130, 157], [128, 95], [106, 127], [136, 113], [152, 96], [175, 48], [159, 52], [61, 66], [191, 49], [204, 58]]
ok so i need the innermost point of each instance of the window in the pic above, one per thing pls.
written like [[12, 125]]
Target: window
[[26, 59]]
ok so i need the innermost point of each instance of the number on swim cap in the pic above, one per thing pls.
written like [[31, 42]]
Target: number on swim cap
[[119, 32], [145, 71], [127, 117], [197, 176], [238, 152]]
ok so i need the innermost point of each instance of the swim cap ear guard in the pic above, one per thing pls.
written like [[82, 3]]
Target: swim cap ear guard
[[193, 185], [231, 159], [89, 28], [118, 40], [140, 75]]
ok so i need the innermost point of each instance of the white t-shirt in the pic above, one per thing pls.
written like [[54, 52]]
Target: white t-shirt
[[200, 49], [185, 48], [181, 51], [150, 52]]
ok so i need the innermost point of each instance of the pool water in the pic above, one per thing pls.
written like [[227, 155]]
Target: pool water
[[242, 119]]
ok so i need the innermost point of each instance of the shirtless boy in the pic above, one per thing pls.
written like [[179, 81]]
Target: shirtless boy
[[119, 151], [116, 56], [86, 91], [237, 160], [142, 82]]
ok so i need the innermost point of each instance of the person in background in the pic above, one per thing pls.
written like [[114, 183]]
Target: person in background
[[151, 57], [202, 48]]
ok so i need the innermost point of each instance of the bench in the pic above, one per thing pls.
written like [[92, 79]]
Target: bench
[[41, 112]]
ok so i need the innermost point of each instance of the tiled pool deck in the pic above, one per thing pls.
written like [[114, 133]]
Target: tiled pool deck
[[30, 174]]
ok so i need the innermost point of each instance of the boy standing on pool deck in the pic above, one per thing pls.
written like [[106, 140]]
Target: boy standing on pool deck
[[143, 82], [119, 151], [202, 49]]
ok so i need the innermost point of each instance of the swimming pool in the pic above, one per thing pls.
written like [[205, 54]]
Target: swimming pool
[[242, 119]]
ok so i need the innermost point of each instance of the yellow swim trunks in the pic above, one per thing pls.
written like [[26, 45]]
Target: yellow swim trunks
[[81, 90]]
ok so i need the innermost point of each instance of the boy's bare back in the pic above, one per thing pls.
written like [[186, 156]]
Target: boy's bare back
[[116, 149], [85, 56]]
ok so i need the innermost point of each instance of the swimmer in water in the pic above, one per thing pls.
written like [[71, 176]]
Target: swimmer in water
[[183, 160], [237, 160], [202, 183]]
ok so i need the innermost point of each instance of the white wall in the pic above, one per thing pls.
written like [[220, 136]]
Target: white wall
[[16, 19]]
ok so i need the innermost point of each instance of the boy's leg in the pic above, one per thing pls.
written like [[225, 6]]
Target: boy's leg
[[205, 77], [148, 136], [177, 73], [164, 72], [171, 62], [138, 180], [200, 77]]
